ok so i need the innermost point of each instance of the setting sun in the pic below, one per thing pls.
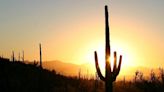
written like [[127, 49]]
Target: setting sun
[[63, 45]]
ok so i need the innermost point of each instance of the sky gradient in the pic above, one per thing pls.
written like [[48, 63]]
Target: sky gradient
[[71, 30]]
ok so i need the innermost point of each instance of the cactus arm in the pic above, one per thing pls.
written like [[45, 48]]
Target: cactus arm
[[115, 61], [116, 72], [119, 65], [116, 69], [98, 68]]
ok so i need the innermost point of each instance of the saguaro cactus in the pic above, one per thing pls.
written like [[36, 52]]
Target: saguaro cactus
[[40, 55], [110, 76], [23, 55], [13, 57], [19, 56]]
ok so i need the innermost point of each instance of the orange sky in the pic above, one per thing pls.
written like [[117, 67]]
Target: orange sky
[[71, 31]]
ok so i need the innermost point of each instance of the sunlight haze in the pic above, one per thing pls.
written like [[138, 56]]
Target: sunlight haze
[[71, 30]]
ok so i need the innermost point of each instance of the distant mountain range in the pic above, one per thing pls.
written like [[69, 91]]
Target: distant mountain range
[[69, 69], [61, 67]]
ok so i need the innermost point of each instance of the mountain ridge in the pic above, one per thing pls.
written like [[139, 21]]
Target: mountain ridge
[[87, 69]]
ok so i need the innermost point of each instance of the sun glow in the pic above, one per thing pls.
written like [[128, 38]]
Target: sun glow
[[101, 58], [126, 56]]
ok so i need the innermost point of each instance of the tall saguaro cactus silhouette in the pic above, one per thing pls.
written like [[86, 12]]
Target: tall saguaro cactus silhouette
[[40, 48], [110, 76]]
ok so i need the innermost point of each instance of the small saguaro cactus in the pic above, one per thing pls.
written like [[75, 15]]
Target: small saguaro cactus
[[13, 57], [23, 56], [19, 56], [110, 76], [79, 74], [40, 48]]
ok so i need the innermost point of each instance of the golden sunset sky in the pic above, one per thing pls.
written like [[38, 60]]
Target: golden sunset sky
[[71, 30]]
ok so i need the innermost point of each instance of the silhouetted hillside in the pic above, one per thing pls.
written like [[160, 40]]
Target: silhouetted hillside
[[19, 77]]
